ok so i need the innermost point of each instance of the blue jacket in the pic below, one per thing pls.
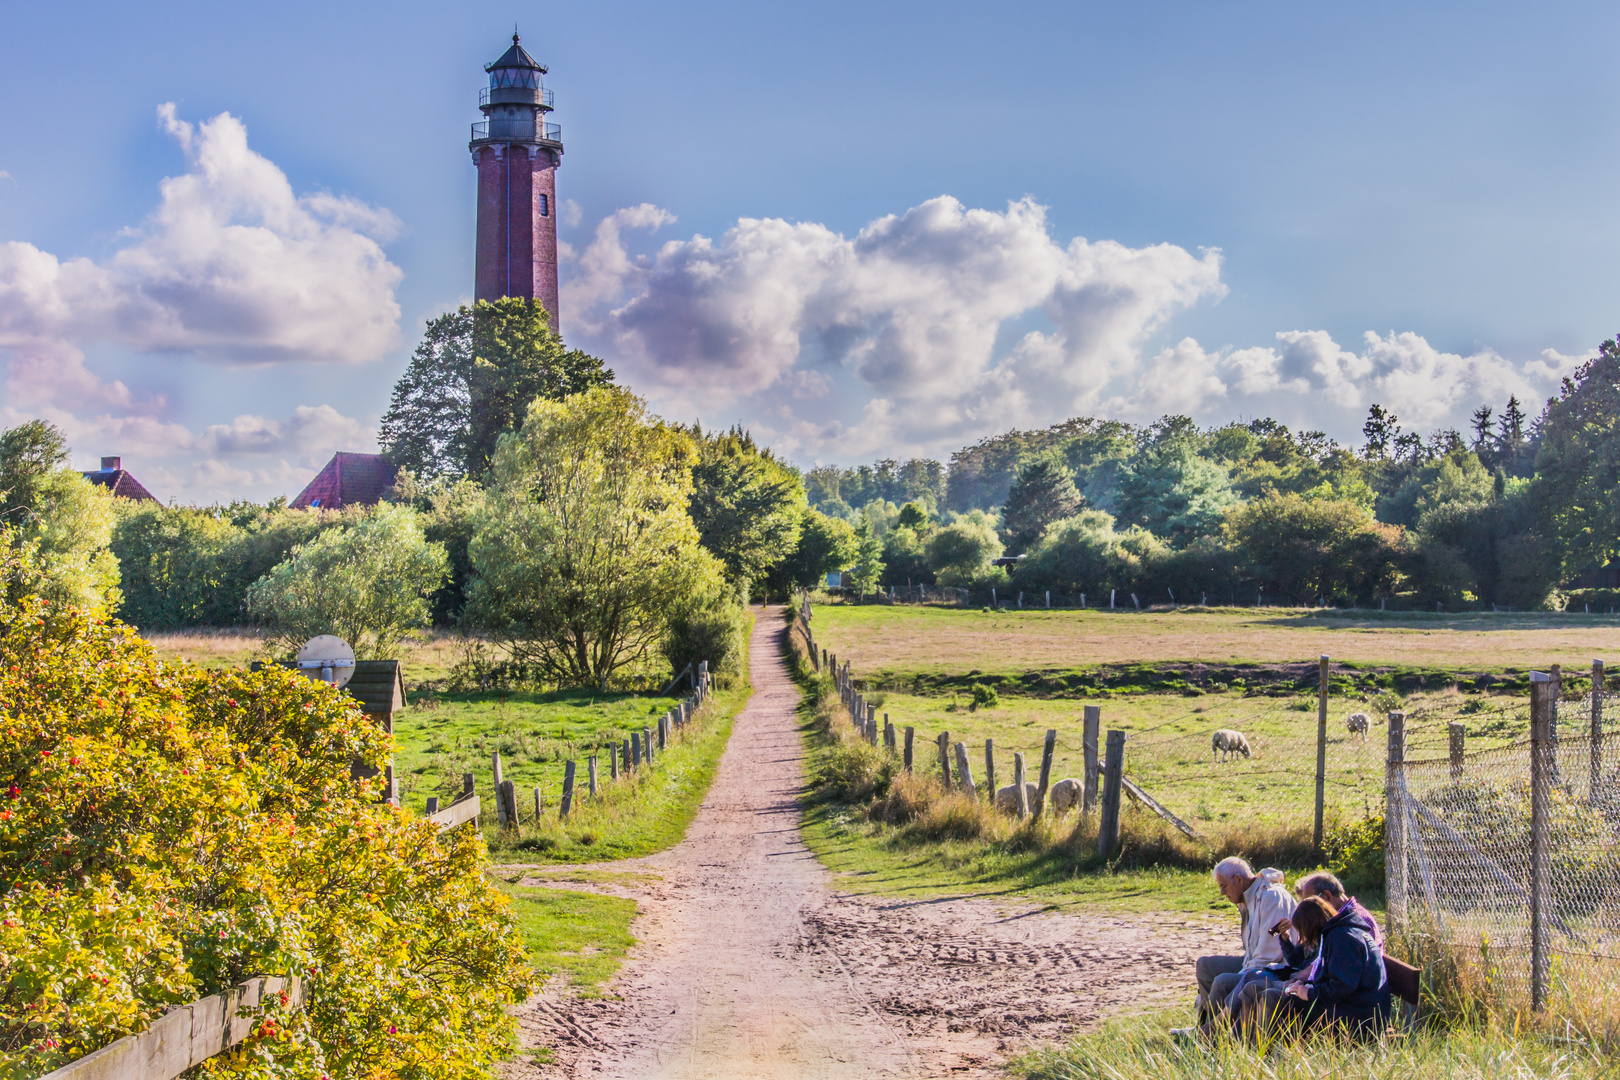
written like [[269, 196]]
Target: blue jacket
[[1351, 976]]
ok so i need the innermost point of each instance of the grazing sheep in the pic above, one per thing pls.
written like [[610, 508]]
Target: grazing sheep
[[1229, 742], [1064, 795], [1356, 723], [1007, 797]]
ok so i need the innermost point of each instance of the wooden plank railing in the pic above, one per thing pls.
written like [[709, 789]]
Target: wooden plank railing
[[183, 1036]]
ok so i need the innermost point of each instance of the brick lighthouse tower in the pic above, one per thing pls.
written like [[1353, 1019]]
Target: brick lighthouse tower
[[517, 154]]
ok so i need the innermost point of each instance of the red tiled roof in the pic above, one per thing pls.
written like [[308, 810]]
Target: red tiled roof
[[122, 484], [348, 480]]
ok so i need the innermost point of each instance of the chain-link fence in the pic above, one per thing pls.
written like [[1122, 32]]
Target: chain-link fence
[[1503, 862]]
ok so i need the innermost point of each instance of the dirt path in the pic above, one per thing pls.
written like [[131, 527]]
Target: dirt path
[[750, 965]]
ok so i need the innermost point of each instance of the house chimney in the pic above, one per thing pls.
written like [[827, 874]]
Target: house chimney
[[111, 464]]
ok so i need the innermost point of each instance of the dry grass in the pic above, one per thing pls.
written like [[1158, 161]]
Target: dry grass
[[428, 657], [912, 639]]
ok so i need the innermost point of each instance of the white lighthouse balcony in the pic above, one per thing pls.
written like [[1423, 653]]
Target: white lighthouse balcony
[[516, 95], [523, 130]]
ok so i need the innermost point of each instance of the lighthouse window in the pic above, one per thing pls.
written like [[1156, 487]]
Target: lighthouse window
[[545, 208]]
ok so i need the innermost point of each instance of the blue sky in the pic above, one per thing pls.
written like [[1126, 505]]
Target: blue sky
[[924, 223]]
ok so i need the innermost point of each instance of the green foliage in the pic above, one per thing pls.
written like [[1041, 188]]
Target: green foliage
[[368, 582], [1578, 463], [841, 492], [1075, 555], [867, 566], [584, 552], [715, 630], [472, 378], [960, 554], [825, 544], [1173, 492], [168, 831], [449, 511], [746, 505], [985, 697], [1042, 494], [29, 454], [1304, 548], [1355, 852]]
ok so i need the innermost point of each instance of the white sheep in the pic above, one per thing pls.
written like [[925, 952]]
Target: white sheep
[[1065, 795], [1356, 723], [1229, 742], [1007, 797]]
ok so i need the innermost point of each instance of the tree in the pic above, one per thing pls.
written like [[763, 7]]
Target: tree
[[1172, 492], [58, 518], [584, 551], [1042, 494], [216, 833], [745, 504], [1578, 463], [1073, 556], [826, 544], [368, 582], [29, 454], [1305, 548], [472, 378], [961, 553], [1381, 430], [1482, 430], [1510, 432], [867, 567]]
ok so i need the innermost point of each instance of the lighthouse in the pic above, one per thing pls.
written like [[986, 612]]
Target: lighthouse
[[517, 153]]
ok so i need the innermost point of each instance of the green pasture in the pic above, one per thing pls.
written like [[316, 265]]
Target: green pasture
[[581, 936]]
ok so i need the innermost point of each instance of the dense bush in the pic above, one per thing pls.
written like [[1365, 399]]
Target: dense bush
[[167, 832], [716, 632]]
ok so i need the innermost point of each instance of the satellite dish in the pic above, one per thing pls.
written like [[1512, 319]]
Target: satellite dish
[[327, 658]]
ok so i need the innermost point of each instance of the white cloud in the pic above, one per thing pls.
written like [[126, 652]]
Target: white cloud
[[312, 429]]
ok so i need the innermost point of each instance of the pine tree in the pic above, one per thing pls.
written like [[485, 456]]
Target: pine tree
[[1042, 494]]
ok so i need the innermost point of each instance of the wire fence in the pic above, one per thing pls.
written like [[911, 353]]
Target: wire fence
[[1505, 860]]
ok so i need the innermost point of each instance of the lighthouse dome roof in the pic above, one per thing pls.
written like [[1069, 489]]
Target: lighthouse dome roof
[[516, 57]]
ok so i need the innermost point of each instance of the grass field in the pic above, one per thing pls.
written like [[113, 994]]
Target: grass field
[[581, 936], [903, 640]]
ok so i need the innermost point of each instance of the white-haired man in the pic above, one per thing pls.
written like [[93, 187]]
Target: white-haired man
[[1262, 903]]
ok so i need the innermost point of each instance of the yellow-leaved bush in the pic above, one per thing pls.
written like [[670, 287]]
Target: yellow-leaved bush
[[166, 832]]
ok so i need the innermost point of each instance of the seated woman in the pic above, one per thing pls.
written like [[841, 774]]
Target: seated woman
[[1349, 986]]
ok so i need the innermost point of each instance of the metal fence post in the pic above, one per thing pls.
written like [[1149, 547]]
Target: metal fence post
[[1458, 734], [1113, 771], [1088, 751], [1394, 816], [1321, 748], [1596, 754], [1543, 702]]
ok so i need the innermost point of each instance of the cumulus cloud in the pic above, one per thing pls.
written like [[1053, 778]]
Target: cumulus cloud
[[317, 429]]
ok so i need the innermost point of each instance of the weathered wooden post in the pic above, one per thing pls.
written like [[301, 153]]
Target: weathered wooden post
[[500, 803], [1596, 754], [590, 767], [646, 745], [568, 790], [1457, 734], [1113, 772], [945, 758], [888, 734], [1394, 818], [990, 767], [1321, 748], [432, 806], [1090, 733], [911, 735], [661, 736], [1021, 799], [466, 784], [539, 804], [1543, 706], [965, 771], [635, 749], [1046, 770], [507, 797]]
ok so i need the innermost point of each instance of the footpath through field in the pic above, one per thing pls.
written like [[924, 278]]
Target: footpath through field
[[750, 965]]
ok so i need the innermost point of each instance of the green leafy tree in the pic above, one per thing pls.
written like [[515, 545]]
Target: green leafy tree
[[867, 569], [1073, 556], [825, 544], [472, 378], [1042, 494], [59, 519], [1305, 548], [1578, 463], [746, 505], [960, 554], [584, 551], [368, 582], [1172, 492]]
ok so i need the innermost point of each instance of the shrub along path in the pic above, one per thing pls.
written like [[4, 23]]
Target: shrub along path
[[750, 964]]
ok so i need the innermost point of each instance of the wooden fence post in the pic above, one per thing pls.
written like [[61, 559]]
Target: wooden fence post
[[661, 736], [1113, 771], [1088, 750], [1021, 799], [1596, 754], [466, 784], [635, 749], [1457, 734], [888, 734], [539, 804], [1046, 770], [1543, 704], [568, 789], [500, 804], [945, 758], [964, 770], [507, 797], [1394, 817], [590, 766], [911, 735], [1321, 749], [613, 760], [871, 724], [432, 806], [646, 745], [990, 767]]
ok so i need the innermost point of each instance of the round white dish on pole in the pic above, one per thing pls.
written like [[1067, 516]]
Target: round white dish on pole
[[327, 658]]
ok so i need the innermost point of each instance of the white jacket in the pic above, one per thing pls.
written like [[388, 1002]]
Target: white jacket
[[1265, 903]]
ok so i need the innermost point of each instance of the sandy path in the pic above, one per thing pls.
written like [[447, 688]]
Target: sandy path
[[749, 965]]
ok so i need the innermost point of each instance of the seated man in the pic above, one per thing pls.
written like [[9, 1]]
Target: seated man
[[1262, 903]]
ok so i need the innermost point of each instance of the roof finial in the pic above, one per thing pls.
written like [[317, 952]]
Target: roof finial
[[514, 34]]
